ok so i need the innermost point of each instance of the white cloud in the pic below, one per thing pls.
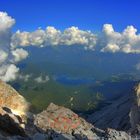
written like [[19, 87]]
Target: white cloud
[[110, 48], [8, 72], [19, 54], [127, 41], [54, 37], [3, 56], [24, 39], [6, 22], [73, 35], [25, 78], [42, 79], [8, 69]]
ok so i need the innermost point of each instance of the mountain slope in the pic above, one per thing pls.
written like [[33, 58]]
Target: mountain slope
[[115, 115], [60, 123]]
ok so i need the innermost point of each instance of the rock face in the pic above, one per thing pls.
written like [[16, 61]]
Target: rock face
[[10, 98], [115, 115], [11, 123], [63, 120], [112, 134], [60, 123], [135, 110]]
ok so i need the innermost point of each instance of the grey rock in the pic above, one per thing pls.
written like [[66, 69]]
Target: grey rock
[[63, 120], [112, 134], [115, 115], [135, 111]]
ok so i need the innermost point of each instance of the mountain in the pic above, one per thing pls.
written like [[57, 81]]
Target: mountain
[[17, 122]]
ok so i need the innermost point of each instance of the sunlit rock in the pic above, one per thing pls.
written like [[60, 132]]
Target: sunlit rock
[[135, 110], [10, 98]]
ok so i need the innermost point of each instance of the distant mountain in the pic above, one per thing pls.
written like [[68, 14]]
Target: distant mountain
[[75, 61]]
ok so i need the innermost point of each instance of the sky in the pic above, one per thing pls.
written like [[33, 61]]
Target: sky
[[85, 14], [104, 26]]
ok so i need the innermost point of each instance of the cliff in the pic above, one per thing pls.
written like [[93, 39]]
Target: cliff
[[115, 115]]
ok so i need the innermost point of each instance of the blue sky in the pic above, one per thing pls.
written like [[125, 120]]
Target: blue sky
[[86, 14]]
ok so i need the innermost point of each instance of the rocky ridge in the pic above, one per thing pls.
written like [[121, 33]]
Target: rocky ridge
[[60, 123]]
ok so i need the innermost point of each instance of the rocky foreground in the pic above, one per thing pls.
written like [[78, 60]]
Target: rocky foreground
[[17, 122]]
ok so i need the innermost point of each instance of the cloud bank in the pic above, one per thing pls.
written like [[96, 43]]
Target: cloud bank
[[8, 56], [109, 40], [53, 37], [12, 45], [128, 41]]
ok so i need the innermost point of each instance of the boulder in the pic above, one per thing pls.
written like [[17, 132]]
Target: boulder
[[63, 120], [10, 98], [112, 134], [10, 123]]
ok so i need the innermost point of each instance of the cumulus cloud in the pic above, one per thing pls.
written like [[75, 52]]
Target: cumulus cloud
[[42, 79], [73, 36], [19, 54], [53, 37], [110, 48], [24, 39], [127, 41], [6, 22], [8, 70], [3, 56]]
